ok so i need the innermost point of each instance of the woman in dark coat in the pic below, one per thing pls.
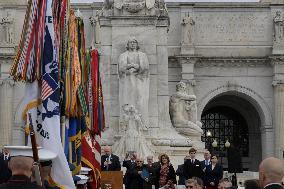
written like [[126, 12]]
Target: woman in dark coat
[[213, 173], [166, 173]]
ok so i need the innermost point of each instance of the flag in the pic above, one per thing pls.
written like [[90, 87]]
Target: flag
[[91, 141], [50, 112], [73, 144]]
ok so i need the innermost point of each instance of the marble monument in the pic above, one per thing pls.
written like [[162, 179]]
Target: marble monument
[[183, 111]]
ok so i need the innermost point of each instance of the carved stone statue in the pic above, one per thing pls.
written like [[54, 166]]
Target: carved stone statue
[[7, 22], [187, 30], [94, 20], [183, 111], [278, 27], [133, 126], [133, 72]]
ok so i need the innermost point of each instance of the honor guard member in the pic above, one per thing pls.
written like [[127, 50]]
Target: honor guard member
[[21, 165], [46, 157], [82, 181], [5, 172]]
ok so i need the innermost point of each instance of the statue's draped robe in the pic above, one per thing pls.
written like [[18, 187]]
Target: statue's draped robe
[[134, 85], [133, 70]]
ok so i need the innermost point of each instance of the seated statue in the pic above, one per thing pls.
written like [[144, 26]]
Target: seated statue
[[183, 111]]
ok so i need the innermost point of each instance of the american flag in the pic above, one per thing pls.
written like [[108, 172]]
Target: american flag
[[48, 87]]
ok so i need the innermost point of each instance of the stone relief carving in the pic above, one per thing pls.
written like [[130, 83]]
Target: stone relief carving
[[133, 73], [183, 111], [134, 6], [231, 27], [187, 30], [8, 24], [278, 27], [133, 139]]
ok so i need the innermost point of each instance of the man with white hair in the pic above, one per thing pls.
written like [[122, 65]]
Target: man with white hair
[[271, 172], [110, 162]]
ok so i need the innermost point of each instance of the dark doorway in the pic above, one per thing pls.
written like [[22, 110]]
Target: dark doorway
[[232, 117], [225, 124]]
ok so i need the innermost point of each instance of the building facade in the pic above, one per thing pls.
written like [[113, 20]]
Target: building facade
[[230, 55]]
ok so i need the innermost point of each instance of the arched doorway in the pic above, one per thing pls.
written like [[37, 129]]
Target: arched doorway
[[230, 117]]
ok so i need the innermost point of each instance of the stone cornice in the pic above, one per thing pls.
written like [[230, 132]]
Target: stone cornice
[[232, 62], [277, 82], [187, 59], [200, 61], [6, 56], [8, 81], [277, 60]]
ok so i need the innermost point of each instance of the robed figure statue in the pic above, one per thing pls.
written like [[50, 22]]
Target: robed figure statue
[[133, 71]]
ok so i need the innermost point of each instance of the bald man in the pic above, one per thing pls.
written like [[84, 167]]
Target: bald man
[[271, 172], [110, 162]]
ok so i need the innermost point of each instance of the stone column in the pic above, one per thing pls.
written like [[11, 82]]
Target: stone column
[[162, 74], [279, 117], [6, 111], [267, 141], [187, 71], [278, 84]]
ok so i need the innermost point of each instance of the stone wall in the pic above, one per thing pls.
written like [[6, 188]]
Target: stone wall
[[233, 45]]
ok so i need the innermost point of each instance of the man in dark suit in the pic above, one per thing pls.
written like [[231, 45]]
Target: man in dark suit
[[271, 172], [192, 166], [129, 163], [206, 161], [110, 162]]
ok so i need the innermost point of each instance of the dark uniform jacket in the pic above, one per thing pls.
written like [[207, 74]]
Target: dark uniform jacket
[[129, 166], [192, 169], [273, 186], [214, 175], [19, 182], [180, 173], [115, 164], [5, 172], [153, 174]]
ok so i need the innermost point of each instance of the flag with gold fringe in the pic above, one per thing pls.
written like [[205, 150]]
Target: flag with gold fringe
[[65, 92], [91, 142], [37, 59]]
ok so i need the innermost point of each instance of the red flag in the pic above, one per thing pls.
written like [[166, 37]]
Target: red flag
[[91, 156], [91, 146]]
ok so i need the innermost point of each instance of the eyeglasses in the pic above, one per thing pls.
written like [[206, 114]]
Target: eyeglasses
[[189, 186], [139, 161]]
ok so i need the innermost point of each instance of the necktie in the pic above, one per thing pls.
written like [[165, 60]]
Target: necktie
[[206, 162], [192, 161]]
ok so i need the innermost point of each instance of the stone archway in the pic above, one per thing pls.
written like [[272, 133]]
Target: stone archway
[[236, 119], [259, 104]]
